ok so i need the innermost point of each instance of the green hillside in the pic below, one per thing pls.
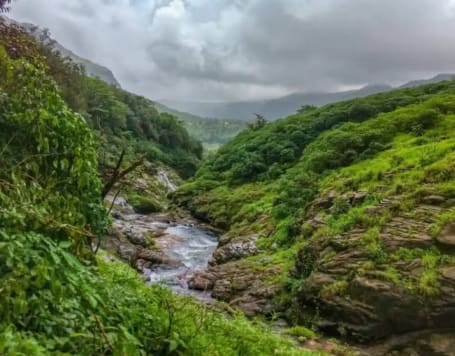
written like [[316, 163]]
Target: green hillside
[[57, 296], [339, 218]]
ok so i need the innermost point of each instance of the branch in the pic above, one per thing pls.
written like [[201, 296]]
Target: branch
[[117, 175]]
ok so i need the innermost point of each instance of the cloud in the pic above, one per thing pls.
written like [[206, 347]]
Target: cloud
[[214, 50]]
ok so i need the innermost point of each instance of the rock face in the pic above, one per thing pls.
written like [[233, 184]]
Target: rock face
[[365, 303], [235, 280], [132, 240], [423, 343], [236, 283]]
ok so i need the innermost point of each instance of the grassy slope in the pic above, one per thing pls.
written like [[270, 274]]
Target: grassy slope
[[269, 180]]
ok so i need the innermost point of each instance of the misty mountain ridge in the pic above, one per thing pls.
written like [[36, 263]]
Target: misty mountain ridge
[[273, 109], [92, 69]]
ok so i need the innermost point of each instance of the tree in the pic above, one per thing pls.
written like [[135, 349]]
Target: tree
[[258, 123], [306, 108]]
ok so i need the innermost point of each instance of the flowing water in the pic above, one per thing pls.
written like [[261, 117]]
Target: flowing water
[[186, 243], [192, 247]]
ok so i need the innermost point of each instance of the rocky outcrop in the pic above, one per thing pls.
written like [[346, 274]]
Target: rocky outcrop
[[360, 293], [237, 283], [243, 246], [430, 342], [236, 280]]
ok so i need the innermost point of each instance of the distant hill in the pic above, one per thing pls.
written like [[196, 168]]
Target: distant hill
[[92, 69], [435, 79], [274, 108], [281, 107], [211, 132]]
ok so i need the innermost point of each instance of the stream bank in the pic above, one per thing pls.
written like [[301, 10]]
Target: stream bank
[[165, 248]]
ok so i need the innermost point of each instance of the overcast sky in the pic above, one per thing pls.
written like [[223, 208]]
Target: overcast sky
[[217, 50]]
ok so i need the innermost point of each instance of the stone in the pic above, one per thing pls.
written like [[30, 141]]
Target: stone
[[201, 281], [141, 184], [447, 236], [327, 201], [433, 200], [235, 249], [448, 272], [358, 198], [127, 253], [155, 257], [136, 237]]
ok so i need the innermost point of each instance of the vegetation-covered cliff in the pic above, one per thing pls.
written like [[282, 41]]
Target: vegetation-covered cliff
[[340, 217]]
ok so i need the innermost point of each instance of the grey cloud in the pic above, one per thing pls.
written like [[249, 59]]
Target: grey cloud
[[241, 49]]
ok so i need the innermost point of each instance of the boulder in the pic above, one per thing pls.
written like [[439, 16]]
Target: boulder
[[127, 253], [136, 237], [235, 249], [156, 257]]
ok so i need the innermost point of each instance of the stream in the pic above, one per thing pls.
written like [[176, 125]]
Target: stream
[[185, 244], [192, 247]]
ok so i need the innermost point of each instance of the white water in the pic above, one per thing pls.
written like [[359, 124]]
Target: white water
[[161, 175], [192, 247]]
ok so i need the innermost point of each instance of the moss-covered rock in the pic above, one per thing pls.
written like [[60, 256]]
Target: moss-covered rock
[[145, 205]]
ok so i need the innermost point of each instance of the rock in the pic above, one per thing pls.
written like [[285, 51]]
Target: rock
[[127, 253], [373, 210], [368, 308], [392, 243], [238, 284], [447, 237], [156, 257], [358, 198], [235, 249], [136, 237], [448, 273], [327, 201], [317, 221], [201, 281], [433, 200], [430, 342]]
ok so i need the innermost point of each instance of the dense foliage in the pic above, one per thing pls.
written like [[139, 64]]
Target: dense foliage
[[269, 180], [55, 297], [126, 120], [120, 119]]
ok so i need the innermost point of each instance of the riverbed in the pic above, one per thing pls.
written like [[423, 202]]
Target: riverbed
[[180, 247]]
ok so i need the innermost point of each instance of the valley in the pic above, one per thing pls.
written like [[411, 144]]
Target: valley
[[128, 227]]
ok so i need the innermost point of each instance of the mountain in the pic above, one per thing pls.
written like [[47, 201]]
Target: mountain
[[273, 108], [435, 79], [281, 107], [91, 68]]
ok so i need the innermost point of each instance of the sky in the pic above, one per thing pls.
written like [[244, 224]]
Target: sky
[[228, 50]]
